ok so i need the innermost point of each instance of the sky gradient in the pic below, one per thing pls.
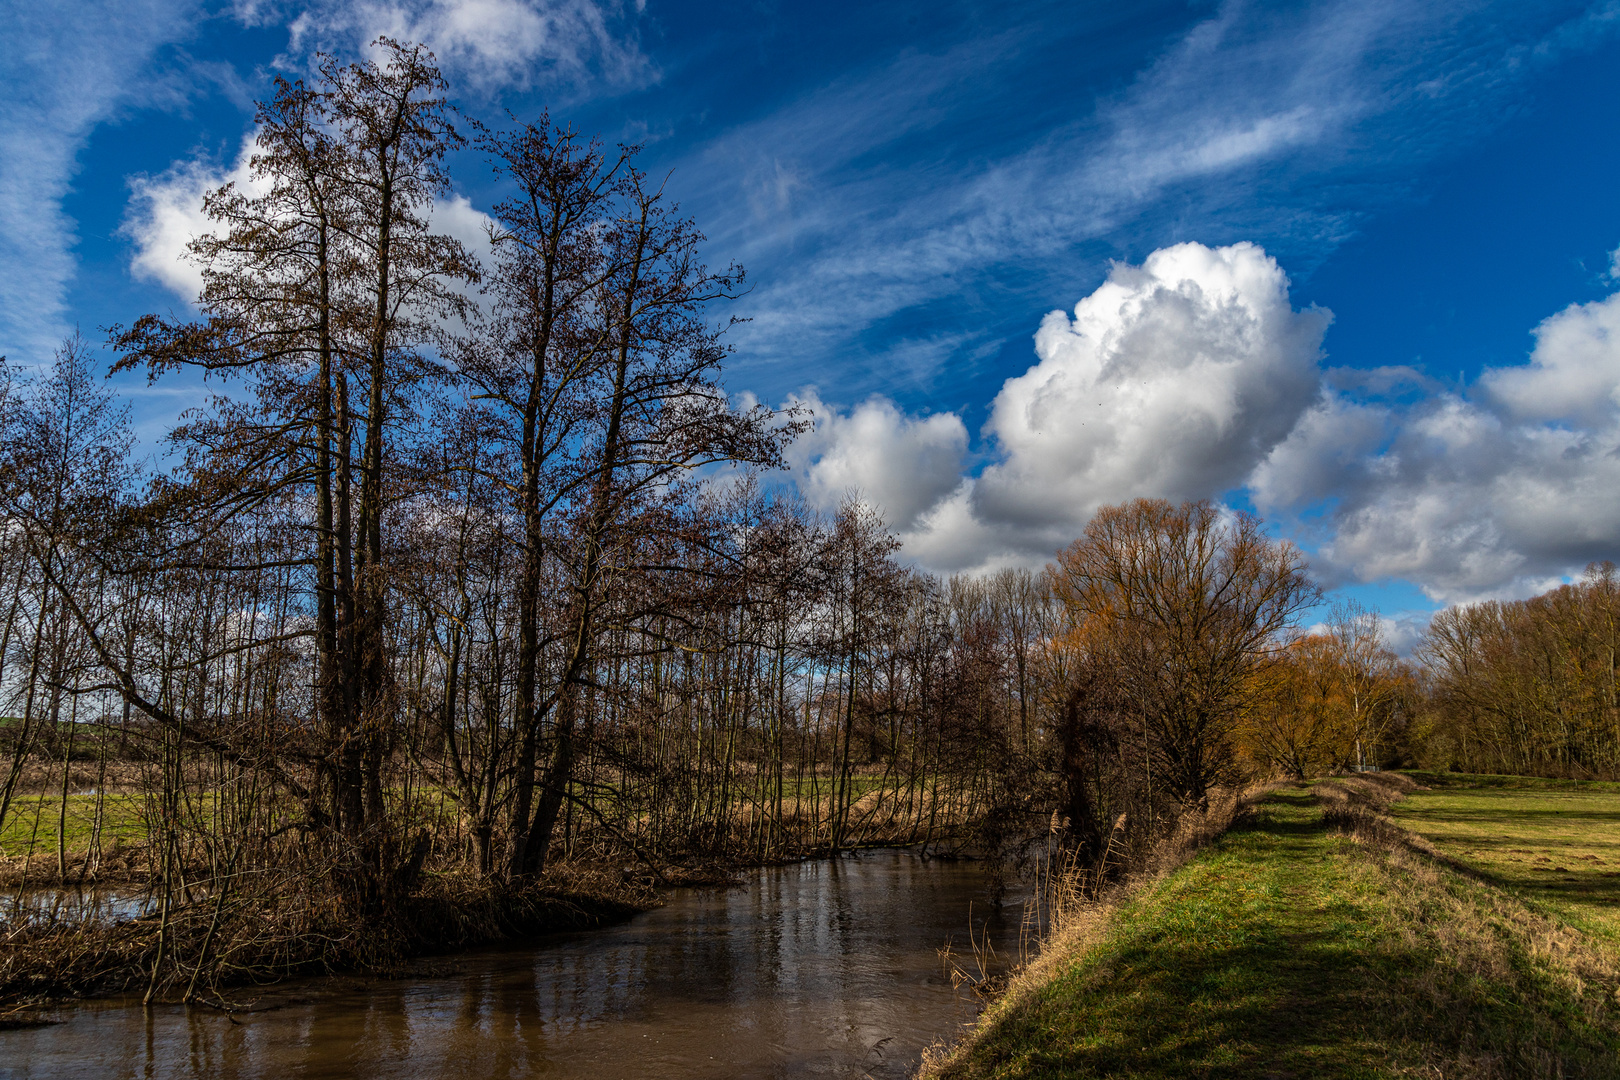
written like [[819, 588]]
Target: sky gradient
[[1348, 264]]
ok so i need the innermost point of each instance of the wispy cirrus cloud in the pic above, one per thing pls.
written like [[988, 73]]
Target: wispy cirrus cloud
[[1279, 126], [485, 45], [65, 68]]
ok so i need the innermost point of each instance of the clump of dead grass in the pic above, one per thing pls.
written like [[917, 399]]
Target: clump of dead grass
[[1196, 830], [1358, 805], [119, 863]]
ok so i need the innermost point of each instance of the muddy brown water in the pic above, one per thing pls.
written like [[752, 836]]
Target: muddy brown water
[[821, 969]]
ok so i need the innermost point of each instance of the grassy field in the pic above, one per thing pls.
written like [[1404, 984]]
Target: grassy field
[[121, 820], [1289, 949], [1554, 843]]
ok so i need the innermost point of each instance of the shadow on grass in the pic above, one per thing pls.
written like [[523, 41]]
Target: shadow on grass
[[1277, 954], [1475, 781], [1289, 1004]]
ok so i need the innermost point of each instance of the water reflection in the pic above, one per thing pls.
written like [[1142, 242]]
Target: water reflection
[[821, 969], [70, 905]]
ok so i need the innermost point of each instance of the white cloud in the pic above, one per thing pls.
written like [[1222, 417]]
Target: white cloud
[[1174, 379], [1574, 373], [456, 217], [1403, 631], [166, 213], [1338, 432], [1503, 491], [65, 68], [484, 44], [1192, 376], [902, 464]]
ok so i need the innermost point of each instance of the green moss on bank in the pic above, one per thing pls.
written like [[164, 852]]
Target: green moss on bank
[[1289, 950]]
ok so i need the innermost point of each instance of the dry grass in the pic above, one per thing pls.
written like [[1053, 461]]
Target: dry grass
[[43, 776]]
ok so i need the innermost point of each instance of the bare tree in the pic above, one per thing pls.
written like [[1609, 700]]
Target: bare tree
[[1190, 600]]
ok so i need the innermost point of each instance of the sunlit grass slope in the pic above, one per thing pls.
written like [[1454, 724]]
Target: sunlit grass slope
[[1554, 843], [1287, 949]]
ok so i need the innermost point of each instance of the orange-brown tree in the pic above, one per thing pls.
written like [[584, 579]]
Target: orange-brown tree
[[1299, 722], [1527, 686], [1188, 601]]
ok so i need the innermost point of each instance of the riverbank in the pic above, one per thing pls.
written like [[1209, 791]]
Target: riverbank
[[252, 936], [299, 920], [277, 930], [1315, 938]]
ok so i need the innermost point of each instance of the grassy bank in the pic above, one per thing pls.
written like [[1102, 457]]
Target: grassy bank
[[1310, 941]]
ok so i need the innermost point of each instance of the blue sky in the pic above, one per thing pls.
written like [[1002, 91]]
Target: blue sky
[[915, 188]]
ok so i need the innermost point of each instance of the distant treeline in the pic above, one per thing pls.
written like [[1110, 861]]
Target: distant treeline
[[1525, 686]]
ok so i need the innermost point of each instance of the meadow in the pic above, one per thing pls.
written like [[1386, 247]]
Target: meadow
[[1555, 844]]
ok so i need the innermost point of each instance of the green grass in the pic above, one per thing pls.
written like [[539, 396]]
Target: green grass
[[1287, 950], [1448, 781], [121, 820], [1554, 843]]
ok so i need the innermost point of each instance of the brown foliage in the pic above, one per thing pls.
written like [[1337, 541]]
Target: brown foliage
[[1527, 686], [1187, 604]]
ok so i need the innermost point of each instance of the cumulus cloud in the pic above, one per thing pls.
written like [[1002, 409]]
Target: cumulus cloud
[[484, 44], [456, 217], [1325, 452], [165, 215], [1173, 379], [1574, 372], [1500, 490], [1193, 376], [902, 464]]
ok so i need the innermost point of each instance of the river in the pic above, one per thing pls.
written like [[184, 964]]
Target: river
[[823, 969]]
